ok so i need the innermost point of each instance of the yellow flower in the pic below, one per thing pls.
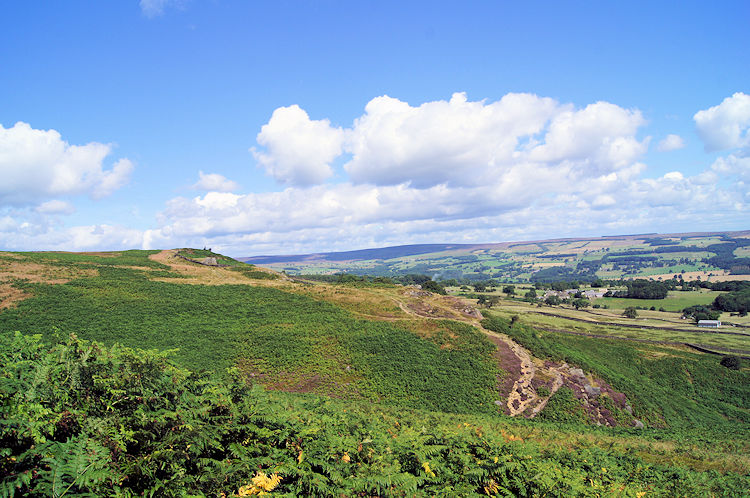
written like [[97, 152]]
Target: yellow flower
[[346, 457], [262, 484], [491, 488], [427, 469]]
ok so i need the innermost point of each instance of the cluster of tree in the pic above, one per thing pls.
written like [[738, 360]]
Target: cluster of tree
[[643, 289], [489, 301], [735, 301], [658, 241], [729, 285], [699, 312], [581, 273], [433, 286], [630, 312], [725, 257]]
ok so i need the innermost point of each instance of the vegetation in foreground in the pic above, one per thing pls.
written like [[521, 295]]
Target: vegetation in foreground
[[81, 419]]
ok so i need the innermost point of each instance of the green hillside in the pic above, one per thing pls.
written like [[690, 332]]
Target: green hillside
[[289, 340], [352, 387]]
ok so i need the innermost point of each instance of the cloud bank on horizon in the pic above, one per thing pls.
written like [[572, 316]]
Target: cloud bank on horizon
[[454, 170]]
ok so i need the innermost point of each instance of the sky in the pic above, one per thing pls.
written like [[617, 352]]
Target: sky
[[288, 127]]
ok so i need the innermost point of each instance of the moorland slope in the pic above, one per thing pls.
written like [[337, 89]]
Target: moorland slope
[[372, 388]]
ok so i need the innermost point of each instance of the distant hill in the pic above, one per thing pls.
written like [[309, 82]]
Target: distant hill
[[360, 254], [708, 255]]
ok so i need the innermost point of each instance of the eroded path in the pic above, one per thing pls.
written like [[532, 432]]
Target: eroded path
[[521, 366]]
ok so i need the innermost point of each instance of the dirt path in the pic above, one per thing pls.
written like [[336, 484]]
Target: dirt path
[[522, 393], [513, 358]]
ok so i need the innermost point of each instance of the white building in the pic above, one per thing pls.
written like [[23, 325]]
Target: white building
[[714, 324]]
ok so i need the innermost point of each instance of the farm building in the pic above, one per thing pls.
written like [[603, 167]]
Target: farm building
[[714, 324]]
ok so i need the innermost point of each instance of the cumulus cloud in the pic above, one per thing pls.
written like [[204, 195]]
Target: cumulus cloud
[[55, 207], [38, 164], [346, 215], [597, 139], [458, 170], [733, 165], [726, 125], [38, 235], [670, 142], [299, 150], [454, 170], [215, 183], [457, 142]]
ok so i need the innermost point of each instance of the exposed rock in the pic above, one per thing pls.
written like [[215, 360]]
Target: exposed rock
[[592, 391], [577, 372], [637, 424], [628, 408], [210, 261]]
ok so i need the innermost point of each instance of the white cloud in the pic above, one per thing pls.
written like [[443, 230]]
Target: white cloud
[[726, 125], [458, 143], [154, 8], [670, 142], [214, 182], [37, 235], [7, 224], [523, 167], [599, 137], [455, 142], [298, 150], [456, 170], [38, 164], [345, 215], [55, 207], [733, 165]]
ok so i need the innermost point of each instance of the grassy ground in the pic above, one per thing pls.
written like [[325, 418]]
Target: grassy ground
[[608, 322], [675, 301], [667, 386], [288, 336]]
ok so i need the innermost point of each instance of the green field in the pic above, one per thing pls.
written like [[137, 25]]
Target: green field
[[600, 322], [675, 300]]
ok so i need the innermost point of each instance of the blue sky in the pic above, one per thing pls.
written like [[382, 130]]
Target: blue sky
[[286, 127]]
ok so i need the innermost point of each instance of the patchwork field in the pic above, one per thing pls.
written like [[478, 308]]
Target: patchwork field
[[709, 256]]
